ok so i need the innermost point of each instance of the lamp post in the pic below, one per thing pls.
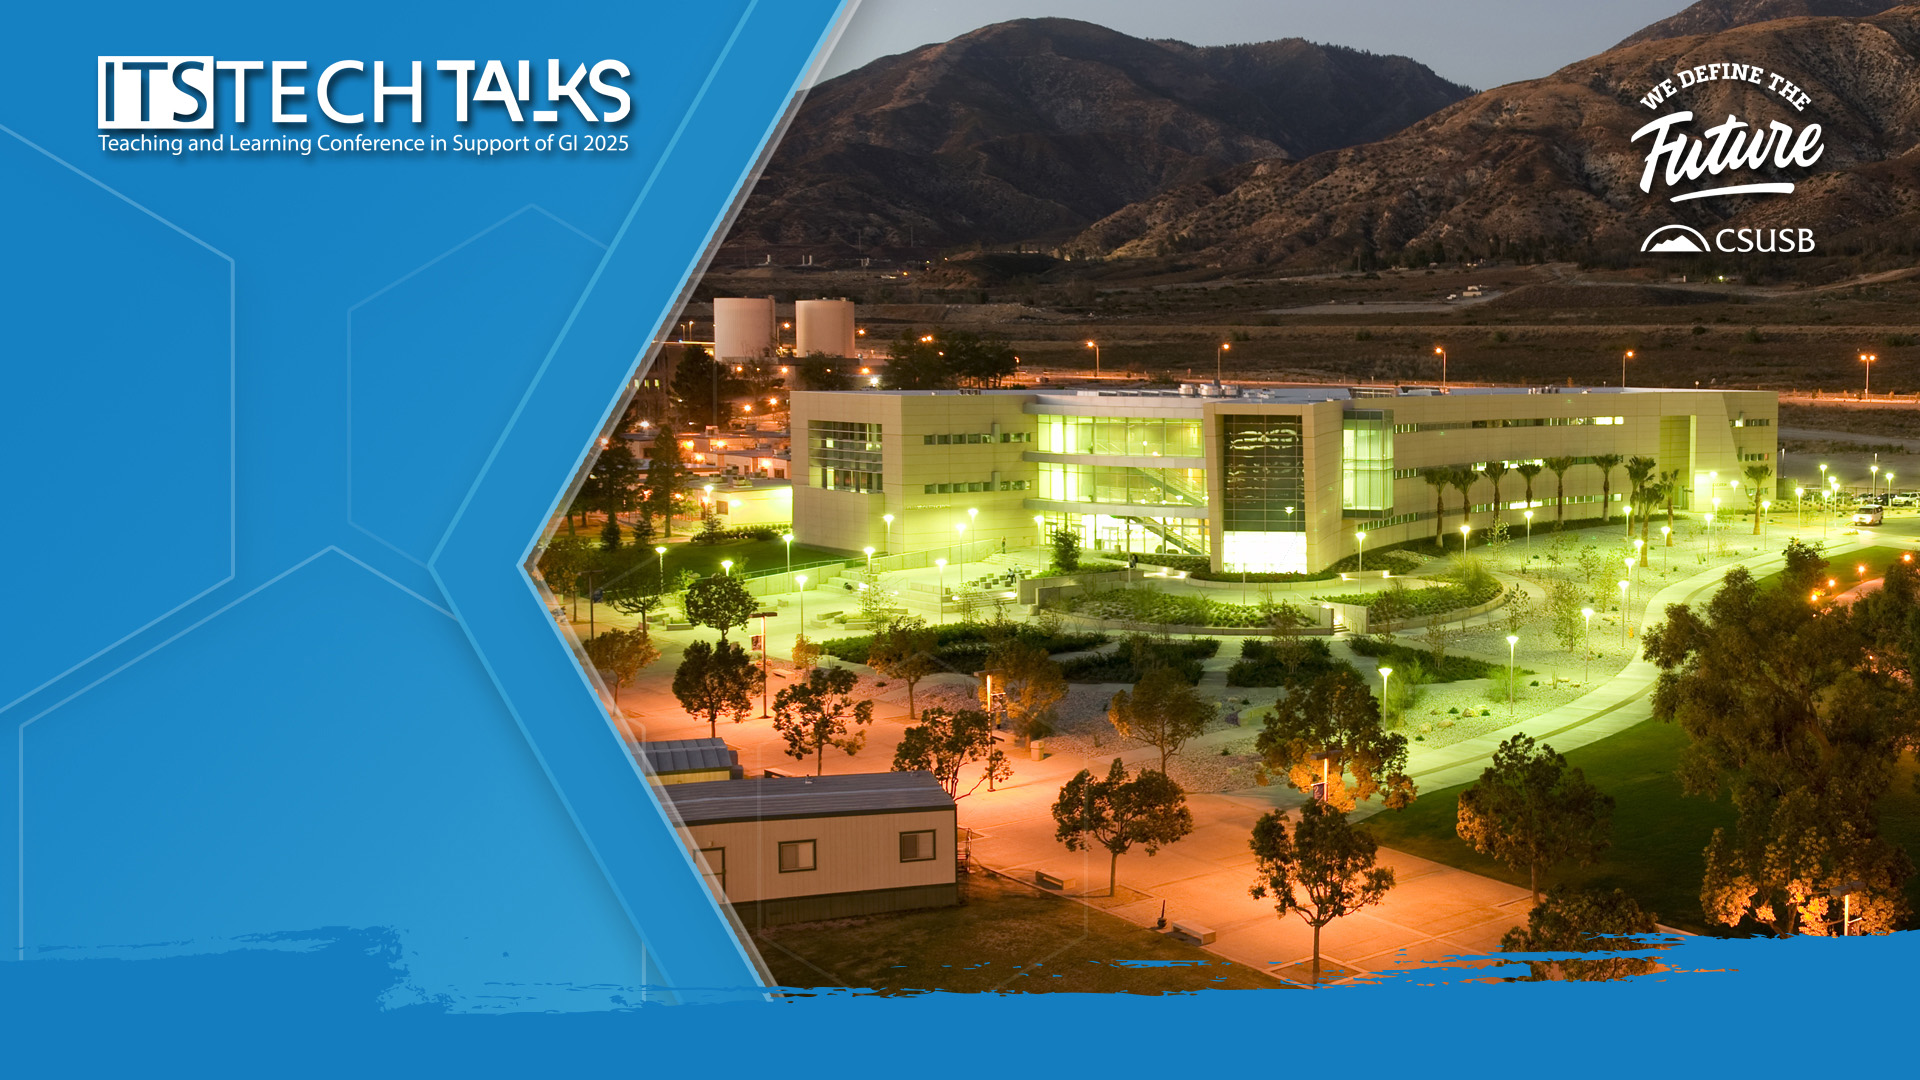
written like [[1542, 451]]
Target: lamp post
[[1623, 368], [662, 552], [1441, 352], [1224, 348], [869, 552], [1512, 640], [1385, 673], [888, 518], [1040, 527], [765, 647], [1464, 530], [1095, 346], [802, 582], [1360, 541], [1529, 516], [1766, 511], [1587, 614], [959, 537], [941, 598], [1624, 586], [1867, 390], [1800, 506], [726, 567], [1666, 541], [788, 540]]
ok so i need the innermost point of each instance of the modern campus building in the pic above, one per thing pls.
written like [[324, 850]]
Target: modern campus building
[[797, 849], [1265, 480]]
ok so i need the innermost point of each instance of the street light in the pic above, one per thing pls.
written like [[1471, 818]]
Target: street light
[[662, 552], [802, 590], [869, 552], [1512, 640], [1845, 893], [1868, 359], [1766, 509], [942, 598], [1385, 672], [888, 518], [1040, 527], [1666, 541], [1360, 538], [1095, 346], [726, 567], [1873, 480], [1529, 516], [1800, 506], [1623, 368], [1587, 614], [1217, 353], [1624, 586], [960, 536], [788, 540], [1464, 530], [1441, 352]]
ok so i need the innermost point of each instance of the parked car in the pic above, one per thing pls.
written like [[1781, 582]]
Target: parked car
[[1906, 499], [1869, 515]]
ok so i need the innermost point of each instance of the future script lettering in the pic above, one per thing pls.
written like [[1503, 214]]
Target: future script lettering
[[1732, 145]]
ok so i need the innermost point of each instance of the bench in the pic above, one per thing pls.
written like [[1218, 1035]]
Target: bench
[[1201, 934], [1048, 881]]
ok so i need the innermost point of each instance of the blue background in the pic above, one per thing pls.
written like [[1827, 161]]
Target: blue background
[[297, 749]]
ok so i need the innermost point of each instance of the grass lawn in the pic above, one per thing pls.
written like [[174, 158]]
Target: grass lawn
[[1006, 937], [1845, 569], [749, 556], [1659, 835]]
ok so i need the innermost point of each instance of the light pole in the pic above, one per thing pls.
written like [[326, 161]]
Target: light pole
[[726, 567], [1800, 506], [1845, 893], [869, 552], [1867, 390], [888, 518], [1217, 354], [1464, 530], [1529, 516], [765, 647], [1587, 614], [1360, 539], [1441, 352], [1040, 527], [1624, 586], [802, 590], [788, 539], [960, 537], [1623, 368], [942, 596], [1095, 346], [1385, 672], [1512, 640], [1666, 541], [1766, 510], [662, 552]]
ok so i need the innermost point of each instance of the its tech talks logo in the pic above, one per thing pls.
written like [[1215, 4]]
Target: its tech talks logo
[[171, 93], [1733, 157]]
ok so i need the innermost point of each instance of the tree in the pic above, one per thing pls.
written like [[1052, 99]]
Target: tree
[[1496, 471], [714, 679], [1528, 470], [805, 652], [1336, 715], [1163, 711], [1559, 467], [818, 371], [565, 560], [1758, 475], [701, 387], [1033, 685], [1569, 627], [903, 649], [720, 601], [610, 534], [1583, 921], [1119, 812], [1066, 550], [1530, 809], [621, 654], [944, 359], [1461, 479], [1800, 712], [1640, 469], [1606, 463], [1321, 872], [944, 742], [1436, 479], [1669, 490], [819, 712], [666, 476]]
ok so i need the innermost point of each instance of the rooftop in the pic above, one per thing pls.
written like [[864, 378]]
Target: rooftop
[[687, 755], [768, 799]]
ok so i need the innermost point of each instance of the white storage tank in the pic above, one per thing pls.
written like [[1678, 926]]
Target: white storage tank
[[743, 328], [824, 326]]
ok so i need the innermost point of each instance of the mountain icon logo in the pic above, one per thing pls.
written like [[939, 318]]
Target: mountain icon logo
[[1675, 240]]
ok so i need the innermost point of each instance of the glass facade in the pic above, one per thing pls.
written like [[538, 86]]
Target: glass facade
[[1124, 437], [1123, 484], [1145, 535], [1264, 491], [843, 456], [1366, 462]]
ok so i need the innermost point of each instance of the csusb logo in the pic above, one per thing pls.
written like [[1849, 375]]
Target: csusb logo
[[1719, 156]]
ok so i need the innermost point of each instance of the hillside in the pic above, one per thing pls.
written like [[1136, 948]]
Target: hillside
[[1713, 16]]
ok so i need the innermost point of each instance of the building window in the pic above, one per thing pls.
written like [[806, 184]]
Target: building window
[[916, 846], [796, 855], [1366, 462], [1132, 437], [844, 456], [716, 860]]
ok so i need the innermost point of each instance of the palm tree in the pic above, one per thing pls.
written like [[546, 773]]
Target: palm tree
[[1669, 487], [1559, 466], [1436, 479], [1528, 470], [1496, 471], [1640, 469], [1757, 475], [1607, 463], [1460, 478]]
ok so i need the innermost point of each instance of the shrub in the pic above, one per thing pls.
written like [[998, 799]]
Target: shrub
[[961, 644], [1290, 663], [1448, 668], [1137, 654]]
